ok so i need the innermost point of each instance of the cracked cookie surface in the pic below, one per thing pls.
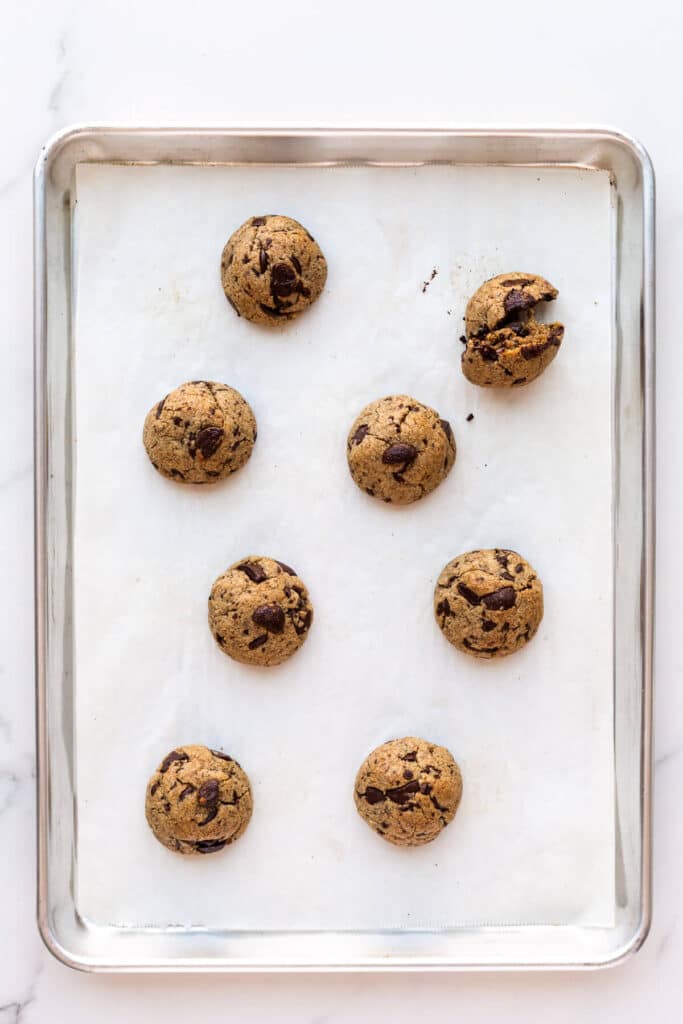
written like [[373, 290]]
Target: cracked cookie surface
[[488, 603], [198, 800], [408, 790], [399, 450], [199, 433], [272, 269], [259, 611], [505, 345]]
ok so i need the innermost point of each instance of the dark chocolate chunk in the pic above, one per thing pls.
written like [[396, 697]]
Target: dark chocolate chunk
[[468, 594], [208, 792], [219, 753], [209, 440], [360, 434], [407, 774], [296, 263], [210, 845], [255, 572], [153, 788], [259, 641], [470, 417], [287, 568], [410, 756], [160, 406], [447, 429], [402, 794], [516, 300], [186, 792], [373, 795], [487, 625], [258, 222], [282, 280], [500, 600], [270, 616], [531, 351], [175, 755], [444, 608], [396, 454], [263, 260]]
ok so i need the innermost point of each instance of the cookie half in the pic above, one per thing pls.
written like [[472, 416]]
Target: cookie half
[[198, 800], [272, 269], [399, 450], [259, 611], [408, 790], [488, 603]]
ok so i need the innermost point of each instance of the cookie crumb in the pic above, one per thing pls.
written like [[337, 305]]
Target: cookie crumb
[[463, 339], [426, 284]]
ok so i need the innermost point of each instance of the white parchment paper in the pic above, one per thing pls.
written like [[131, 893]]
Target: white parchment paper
[[533, 841]]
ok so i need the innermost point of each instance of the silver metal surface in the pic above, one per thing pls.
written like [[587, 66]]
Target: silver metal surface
[[80, 943]]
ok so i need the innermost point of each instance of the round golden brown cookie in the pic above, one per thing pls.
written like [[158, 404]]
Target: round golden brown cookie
[[399, 450], [259, 611], [488, 603], [505, 345], [199, 433], [272, 269], [198, 800], [408, 790]]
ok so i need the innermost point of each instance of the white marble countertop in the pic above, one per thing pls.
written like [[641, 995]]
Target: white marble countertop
[[530, 62]]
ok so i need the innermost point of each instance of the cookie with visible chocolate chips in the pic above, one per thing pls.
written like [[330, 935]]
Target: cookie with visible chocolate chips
[[505, 345], [488, 603], [199, 433], [259, 611], [272, 269], [198, 800], [399, 450], [408, 790]]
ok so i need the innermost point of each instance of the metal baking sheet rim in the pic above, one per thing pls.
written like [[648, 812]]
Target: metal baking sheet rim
[[77, 144]]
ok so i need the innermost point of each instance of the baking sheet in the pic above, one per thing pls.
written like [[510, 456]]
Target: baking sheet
[[533, 841]]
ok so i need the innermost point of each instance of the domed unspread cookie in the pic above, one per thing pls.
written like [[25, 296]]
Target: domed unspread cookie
[[198, 800], [259, 611], [505, 345], [199, 433], [408, 790], [399, 450], [488, 603], [272, 269]]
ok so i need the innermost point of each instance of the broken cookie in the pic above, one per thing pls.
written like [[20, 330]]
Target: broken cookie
[[408, 790], [272, 269], [198, 800], [399, 450], [505, 345], [488, 603], [259, 611]]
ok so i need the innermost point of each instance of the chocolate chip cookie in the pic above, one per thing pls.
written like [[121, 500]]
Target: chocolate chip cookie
[[198, 800], [199, 433], [399, 450], [259, 611], [488, 603], [272, 269], [505, 345], [408, 790]]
